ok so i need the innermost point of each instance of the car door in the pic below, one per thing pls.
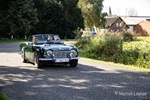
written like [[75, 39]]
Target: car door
[[29, 51]]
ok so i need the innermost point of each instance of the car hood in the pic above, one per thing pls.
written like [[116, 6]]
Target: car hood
[[57, 47]]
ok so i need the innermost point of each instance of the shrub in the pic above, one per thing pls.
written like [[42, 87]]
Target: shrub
[[104, 47], [128, 36], [110, 47], [3, 97], [129, 57], [83, 42]]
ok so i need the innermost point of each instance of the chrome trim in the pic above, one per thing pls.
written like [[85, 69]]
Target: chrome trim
[[75, 58], [50, 59], [45, 59], [61, 54]]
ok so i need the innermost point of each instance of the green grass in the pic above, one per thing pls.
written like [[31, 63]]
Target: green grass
[[5, 40], [70, 42], [140, 43], [130, 67], [3, 97]]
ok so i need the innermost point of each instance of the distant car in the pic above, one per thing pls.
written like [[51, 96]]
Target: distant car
[[88, 33], [48, 52]]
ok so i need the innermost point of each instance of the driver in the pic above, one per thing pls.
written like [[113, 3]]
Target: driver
[[50, 38]]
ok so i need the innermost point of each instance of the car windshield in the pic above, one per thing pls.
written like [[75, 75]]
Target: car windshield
[[47, 38]]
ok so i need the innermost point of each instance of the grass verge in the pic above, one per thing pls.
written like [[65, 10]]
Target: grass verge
[[12, 40], [132, 68]]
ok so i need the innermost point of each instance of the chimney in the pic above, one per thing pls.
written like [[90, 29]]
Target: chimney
[[109, 11]]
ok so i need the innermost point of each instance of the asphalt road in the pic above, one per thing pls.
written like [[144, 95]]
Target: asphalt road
[[88, 81]]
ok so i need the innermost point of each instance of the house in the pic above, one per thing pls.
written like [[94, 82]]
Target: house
[[138, 24], [143, 28], [115, 23]]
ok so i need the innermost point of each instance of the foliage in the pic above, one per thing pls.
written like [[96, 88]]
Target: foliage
[[92, 13], [110, 47], [142, 49], [19, 18], [26, 17], [3, 97], [83, 42], [128, 36], [104, 47]]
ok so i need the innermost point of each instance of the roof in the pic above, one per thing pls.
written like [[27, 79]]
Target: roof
[[110, 20], [133, 20], [148, 19]]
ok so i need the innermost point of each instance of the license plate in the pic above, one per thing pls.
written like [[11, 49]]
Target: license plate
[[62, 60]]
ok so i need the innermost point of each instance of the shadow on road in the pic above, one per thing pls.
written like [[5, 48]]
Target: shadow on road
[[67, 83]]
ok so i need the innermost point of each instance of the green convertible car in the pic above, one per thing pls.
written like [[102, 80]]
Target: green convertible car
[[48, 49]]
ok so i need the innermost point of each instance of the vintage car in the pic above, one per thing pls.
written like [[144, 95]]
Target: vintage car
[[48, 52]]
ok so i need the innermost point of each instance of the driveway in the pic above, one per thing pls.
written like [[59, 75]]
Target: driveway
[[88, 81]]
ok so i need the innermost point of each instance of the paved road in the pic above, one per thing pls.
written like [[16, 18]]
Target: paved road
[[88, 81]]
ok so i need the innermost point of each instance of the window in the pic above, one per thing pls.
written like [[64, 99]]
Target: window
[[120, 24], [117, 24]]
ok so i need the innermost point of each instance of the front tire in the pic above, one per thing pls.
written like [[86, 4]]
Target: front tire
[[37, 63], [73, 63]]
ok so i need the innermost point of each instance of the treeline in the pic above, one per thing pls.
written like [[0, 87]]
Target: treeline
[[20, 18]]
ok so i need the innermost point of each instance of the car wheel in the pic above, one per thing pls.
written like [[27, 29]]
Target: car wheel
[[23, 57], [73, 63], [37, 63]]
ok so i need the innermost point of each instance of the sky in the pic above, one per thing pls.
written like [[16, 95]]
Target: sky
[[121, 7]]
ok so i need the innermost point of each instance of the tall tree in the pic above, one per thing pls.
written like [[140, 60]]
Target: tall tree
[[92, 12], [4, 22], [59, 16], [21, 16], [24, 17], [72, 16]]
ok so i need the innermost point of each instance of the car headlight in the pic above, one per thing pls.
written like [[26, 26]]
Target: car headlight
[[49, 53], [73, 53]]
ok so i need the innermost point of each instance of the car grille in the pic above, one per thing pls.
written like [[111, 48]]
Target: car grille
[[61, 54]]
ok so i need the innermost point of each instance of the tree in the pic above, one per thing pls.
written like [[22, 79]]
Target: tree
[[26, 17], [4, 23], [19, 18], [58, 16], [92, 12], [73, 19]]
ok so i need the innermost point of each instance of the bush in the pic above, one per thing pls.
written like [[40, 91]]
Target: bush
[[110, 47], [3, 97], [104, 47], [128, 36], [83, 42], [129, 57]]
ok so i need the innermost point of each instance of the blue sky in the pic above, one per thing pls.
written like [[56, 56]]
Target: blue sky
[[121, 7]]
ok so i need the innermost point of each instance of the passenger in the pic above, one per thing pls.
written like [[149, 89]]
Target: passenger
[[50, 38], [35, 41]]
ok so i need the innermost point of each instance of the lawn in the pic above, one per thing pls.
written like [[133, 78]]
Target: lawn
[[141, 43], [6, 40]]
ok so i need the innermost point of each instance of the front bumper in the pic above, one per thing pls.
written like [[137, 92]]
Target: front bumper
[[53, 59]]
